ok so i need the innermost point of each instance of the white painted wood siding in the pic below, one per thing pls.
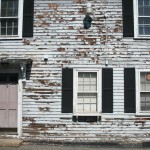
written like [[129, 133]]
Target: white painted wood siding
[[59, 33], [118, 90]]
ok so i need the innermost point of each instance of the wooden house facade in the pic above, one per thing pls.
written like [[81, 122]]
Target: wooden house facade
[[69, 75]]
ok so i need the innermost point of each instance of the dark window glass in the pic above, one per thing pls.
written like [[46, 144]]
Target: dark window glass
[[9, 8], [9, 27]]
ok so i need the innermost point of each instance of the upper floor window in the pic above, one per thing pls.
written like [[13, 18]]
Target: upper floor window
[[142, 18], [136, 18], [16, 18], [11, 18]]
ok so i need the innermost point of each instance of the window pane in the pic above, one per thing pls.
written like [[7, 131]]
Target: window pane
[[144, 7], [10, 4], [3, 24], [143, 2], [141, 31], [93, 107], [86, 99], [9, 12], [147, 30], [3, 31], [146, 2], [80, 108], [93, 99], [9, 8], [144, 20], [147, 11], [15, 12], [9, 23], [9, 26], [15, 31], [9, 31], [145, 101], [87, 102], [141, 11], [144, 11], [87, 108], [145, 81], [87, 81], [140, 2], [144, 30], [3, 12]]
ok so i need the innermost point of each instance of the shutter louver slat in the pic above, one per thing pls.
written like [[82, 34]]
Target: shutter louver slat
[[128, 21], [107, 90], [129, 90], [67, 90], [28, 11]]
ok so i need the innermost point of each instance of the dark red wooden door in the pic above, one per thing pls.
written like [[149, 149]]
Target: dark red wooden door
[[8, 100]]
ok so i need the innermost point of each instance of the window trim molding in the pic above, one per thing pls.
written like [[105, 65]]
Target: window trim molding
[[99, 91], [135, 16], [20, 23], [20, 18], [138, 103]]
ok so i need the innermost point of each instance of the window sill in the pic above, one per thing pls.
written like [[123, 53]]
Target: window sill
[[142, 38], [10, 38], [142, 114], [87, 114]]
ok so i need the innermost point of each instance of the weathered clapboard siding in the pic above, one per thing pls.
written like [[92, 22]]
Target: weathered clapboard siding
[[59, 33], [118, 91]]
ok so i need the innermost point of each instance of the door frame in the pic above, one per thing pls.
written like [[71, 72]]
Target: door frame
[[20, 92]]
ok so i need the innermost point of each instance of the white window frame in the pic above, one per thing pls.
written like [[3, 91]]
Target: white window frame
[[20, 23], [136, 25], [138, 102], [99, 87]]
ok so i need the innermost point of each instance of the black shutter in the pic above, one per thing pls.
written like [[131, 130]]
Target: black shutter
[[28, 11], [128, 22], [129, 90], [107, 90], [67, 90]]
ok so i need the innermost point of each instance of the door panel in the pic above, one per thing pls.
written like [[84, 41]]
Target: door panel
[[12, 104], [3, 96], [12, 96], [3, 105], [8, 100], [3, 120], [12, 118]]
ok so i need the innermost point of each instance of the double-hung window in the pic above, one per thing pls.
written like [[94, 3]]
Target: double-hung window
[[142, 18], [11, 18], [136, 18], [143, 92], [87, 92]]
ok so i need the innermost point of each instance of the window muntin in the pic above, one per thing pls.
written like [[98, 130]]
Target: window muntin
[[10, 18], [145, 91], [87, 92], [143, 17]]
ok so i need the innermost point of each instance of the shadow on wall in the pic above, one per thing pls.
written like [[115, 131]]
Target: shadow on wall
[[28, 70]]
